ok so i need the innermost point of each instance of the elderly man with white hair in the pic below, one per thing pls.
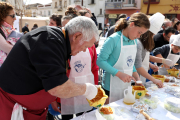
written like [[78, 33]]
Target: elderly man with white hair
[[34, 73], [25, 28]]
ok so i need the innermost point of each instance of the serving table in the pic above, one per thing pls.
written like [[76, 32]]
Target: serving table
[[160, 113]]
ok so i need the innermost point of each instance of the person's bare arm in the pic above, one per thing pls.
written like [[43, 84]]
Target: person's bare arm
[[145, 74], [68, 89], [136, 76], [157, 59]]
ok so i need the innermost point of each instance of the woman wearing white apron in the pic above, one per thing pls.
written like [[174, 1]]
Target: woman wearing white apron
[[118, 54], [173, 53], [145, 44]]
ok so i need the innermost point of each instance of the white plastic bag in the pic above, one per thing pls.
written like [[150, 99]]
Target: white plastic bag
[[17, 113]]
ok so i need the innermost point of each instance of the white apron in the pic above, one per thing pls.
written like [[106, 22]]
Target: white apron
[[173, 57], [80, 73], [145, 65], [124, 64]]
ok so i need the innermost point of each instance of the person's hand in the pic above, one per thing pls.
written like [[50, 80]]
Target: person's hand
[[55, 106], [125, 77], [91, 91], [158, 83], [166, 66], [167, 62], [154, 67]]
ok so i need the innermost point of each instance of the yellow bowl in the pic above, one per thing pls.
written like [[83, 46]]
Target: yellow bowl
[[173, 72], [99, 100], [140, 91], [159, 77]]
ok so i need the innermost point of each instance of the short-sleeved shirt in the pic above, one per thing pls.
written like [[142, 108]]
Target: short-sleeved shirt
[[164, 51], [36, 62], [159, 40]]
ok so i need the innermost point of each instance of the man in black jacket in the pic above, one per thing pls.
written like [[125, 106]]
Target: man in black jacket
[[25, 28], [161, 39]]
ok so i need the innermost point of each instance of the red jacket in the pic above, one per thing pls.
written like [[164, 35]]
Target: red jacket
[[94, 67]]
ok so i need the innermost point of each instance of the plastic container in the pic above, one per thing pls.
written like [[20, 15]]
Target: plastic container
[[140, 106], [172, 104], [152, 102]]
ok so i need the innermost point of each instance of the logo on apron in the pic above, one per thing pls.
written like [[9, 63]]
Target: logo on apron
[[129, 61], [79, 66]]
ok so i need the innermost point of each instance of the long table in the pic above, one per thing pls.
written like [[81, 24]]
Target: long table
[[160, 113]]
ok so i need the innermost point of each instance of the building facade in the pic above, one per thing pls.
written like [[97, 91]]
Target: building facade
[[113, 8], [97, 8], [59, 6], [31, 10], [170, 8], [44, 10]]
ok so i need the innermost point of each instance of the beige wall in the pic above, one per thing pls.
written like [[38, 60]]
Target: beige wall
[[40, 22]]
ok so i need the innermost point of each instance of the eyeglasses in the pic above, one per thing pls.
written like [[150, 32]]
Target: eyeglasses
[[13, 16], [167, 36]]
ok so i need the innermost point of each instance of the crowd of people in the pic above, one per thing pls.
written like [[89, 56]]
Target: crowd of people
[[56, 66]]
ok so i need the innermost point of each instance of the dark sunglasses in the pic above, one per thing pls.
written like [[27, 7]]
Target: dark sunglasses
[[13, 16]]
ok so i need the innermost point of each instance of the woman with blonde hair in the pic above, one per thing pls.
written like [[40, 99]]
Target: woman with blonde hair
[[118, 54]]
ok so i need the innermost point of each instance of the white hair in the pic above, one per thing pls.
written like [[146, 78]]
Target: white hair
[[84, 25], [26, 24]]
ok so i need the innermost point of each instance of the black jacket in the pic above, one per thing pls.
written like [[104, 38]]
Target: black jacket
[[25, 28], [159, 40], [37, 61]]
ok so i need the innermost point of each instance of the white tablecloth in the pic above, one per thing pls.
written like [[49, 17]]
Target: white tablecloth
[[160, 113]]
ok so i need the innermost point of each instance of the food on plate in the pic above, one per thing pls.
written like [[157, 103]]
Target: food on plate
[[147, 95], [175, 85], [172, 104], [136, 107], [146, 115], [166, 80], [107, 112], [100, 98], [169, 78], [152, 102]]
